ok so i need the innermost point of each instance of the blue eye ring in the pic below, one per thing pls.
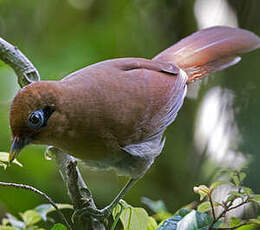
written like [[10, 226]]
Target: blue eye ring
[[36, 119]]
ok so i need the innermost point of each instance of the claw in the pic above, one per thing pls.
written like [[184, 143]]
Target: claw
[[76, 216], [90, 211], [97, 213], [102, 214], [86, 192]]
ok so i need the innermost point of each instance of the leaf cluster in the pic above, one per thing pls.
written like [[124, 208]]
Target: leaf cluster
[[126, 217], [202, 217], [30, 219]]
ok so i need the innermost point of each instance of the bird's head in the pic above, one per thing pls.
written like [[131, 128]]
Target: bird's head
[[32, 116]]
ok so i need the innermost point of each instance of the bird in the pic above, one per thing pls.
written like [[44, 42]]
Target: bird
[[113, 114]]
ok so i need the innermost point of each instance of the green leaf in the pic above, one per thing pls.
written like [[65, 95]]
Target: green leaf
[[235, 179], [247, 190], [218, 183], [202, 190], [2, 63], [131, 218], [223, 173], [7, 228], [204, 207], [255, 198], [230, 198], [44, 209], [4, 160], [31, 217], [156, 206], [5, 221], [170, 223], [236, 194], [152, 225], [3, 165], [34, 228], [248, 227], [195, 221], [242, 176], [14, 221], [238, 177], [234, 222], [255, 221], [116, 210], [162, 216], [134, 218], [203, 220], [183, 212], [59, 227], [116, 213]]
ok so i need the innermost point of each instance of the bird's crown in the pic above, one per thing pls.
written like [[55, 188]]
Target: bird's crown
[[31, 108]]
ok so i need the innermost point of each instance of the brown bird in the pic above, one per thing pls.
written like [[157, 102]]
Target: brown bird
[[112, 115]]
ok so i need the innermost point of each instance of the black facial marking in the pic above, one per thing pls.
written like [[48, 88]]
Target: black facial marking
[[48, 111], [39, 118]]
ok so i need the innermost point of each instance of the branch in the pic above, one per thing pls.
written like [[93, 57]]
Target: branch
[[65, 163], [212, 207], [32, 189], [227, 209], [26, 74], [77, 189], [236, 206], [24, 69]]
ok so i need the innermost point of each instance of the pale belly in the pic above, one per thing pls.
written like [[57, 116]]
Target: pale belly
[[96, 155]]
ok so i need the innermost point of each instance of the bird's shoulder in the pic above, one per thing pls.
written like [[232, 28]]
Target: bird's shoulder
[[119, 65]]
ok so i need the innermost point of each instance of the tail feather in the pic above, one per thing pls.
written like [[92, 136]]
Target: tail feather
[[210, 50]]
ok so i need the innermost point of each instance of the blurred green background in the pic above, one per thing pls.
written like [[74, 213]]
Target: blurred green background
[[61, 36]]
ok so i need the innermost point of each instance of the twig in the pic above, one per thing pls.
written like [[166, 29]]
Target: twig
[[227, 209], [234, 207], [212, 207], [232, 228], [32, 189]]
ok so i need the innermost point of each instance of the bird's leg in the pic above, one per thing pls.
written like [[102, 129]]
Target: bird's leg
[[105, 212]]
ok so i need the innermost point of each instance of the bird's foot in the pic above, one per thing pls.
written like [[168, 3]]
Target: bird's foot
[[100, 214], [89, 209]]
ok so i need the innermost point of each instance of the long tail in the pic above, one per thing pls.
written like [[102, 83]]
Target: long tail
[[209, 50]]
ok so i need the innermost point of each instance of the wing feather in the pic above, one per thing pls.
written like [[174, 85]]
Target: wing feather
[[153, 144]]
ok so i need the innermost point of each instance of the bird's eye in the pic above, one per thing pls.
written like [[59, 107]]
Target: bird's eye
[[36, 119]]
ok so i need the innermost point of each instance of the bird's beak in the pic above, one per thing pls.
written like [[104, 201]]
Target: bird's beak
[[17, 146]]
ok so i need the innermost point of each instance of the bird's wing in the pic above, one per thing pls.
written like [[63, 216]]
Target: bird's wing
[[152, 144], [168, 112], [136, 99]]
